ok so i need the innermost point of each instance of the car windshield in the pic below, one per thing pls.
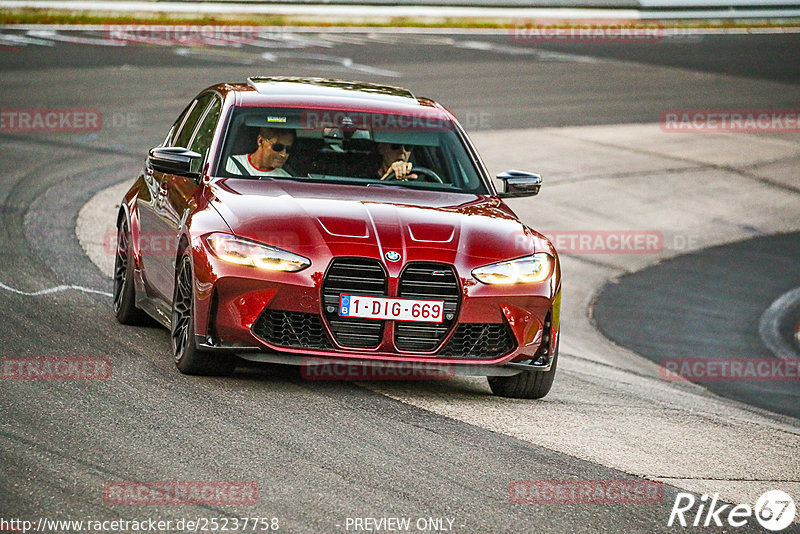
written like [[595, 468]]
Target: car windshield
[[333, 146]]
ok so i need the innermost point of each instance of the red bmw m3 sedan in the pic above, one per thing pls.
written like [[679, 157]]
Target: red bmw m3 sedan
[[309, 219]]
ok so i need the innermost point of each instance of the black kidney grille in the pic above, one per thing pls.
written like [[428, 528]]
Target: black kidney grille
[[434, 281], [353, 276], [291, 329], [480, 341]]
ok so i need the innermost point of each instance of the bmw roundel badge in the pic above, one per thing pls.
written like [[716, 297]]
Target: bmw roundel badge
[[392, 255]]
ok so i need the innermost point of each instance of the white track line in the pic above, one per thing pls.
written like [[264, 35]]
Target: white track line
[[55, 289], [55, 36], [24, 41]]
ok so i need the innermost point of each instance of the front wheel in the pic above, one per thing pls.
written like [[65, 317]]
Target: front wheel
[[527, 384], [188, 358]]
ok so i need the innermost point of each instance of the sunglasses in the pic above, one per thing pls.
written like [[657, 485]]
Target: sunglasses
[[406, 148], [280, 147]]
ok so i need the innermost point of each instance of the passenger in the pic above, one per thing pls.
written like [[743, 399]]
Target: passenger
[[273, 148], [394, 158]]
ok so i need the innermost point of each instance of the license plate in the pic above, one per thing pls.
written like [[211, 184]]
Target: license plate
[[392, 309]]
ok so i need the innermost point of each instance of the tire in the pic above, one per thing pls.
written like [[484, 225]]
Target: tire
[[525, 385], [124, 293], [188, 358]]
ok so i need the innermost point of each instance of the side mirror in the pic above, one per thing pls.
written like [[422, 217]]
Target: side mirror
[[175, 160], [519, 184]]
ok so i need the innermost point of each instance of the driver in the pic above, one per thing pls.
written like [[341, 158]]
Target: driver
[[273, 147], [394, 159]]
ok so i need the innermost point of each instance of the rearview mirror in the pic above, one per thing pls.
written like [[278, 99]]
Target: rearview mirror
[[175, 160], [519, 184]]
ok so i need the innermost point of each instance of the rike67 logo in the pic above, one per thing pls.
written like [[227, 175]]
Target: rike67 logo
[[774, 510]]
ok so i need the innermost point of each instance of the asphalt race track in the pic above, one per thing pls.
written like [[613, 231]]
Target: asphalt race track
[[704, 293], [323, 452]]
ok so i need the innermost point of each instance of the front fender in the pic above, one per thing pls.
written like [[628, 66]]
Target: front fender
[[204, 220]]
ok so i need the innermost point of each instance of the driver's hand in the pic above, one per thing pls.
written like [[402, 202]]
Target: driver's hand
[[402, 171]]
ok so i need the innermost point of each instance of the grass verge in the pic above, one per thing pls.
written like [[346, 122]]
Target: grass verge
[[34, 16]]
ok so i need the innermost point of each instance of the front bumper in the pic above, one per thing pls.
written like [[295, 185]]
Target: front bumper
[[442, 366], [281, 318]]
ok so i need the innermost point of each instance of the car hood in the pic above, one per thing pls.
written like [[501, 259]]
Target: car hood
[[344, 220]]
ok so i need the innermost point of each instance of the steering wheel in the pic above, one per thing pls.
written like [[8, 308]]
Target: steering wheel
[[426, 173]]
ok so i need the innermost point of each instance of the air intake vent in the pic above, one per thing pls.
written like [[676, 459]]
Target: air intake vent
[[434, 281], [291, 329], [355, 276], [480, 341]]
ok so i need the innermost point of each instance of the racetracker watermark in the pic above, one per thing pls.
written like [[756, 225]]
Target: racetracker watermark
[[183, 35], [730, 121], [585, 31], [599, 241], [322, 369], [55, 368], [166, 243], [322, 120], [585, 492], [477, 120], [50, 120], [730, 369], [176, 492], [122, 119], [143, 524]]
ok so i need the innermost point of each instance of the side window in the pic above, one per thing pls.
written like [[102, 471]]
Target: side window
[[177, 124], [192, 119], [205, 133]]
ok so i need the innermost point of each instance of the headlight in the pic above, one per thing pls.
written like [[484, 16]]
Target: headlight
[[527, 270], [245, 252]]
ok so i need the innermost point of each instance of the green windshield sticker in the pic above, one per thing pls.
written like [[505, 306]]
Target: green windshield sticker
[[276, 119]]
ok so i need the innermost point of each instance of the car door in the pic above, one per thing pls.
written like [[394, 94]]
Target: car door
[[181, 192], [146, 208], [159, 219]]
